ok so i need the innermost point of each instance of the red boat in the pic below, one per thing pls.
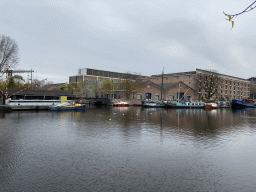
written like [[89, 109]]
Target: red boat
[[210, 106], [121, 104]]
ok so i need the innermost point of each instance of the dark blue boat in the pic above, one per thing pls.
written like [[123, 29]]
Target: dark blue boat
[[236, 104]]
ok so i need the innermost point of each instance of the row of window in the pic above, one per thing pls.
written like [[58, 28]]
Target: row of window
[[171, 97]]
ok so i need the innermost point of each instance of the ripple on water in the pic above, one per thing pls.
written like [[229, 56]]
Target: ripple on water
[[168, 150]]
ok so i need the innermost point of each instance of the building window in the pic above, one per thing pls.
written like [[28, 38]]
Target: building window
[[156, 96], [138, 96], [189, 83], [171, 97], [177, 77]]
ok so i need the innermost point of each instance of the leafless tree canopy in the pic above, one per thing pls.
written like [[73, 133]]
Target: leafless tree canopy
[[8, 52], [209, 81]]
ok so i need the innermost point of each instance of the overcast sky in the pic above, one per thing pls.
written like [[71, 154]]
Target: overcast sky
[[57, 37]]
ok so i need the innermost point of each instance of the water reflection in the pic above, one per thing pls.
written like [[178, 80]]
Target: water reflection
[[128, 149]]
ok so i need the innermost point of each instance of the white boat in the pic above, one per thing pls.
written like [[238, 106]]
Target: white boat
[[31, 104]]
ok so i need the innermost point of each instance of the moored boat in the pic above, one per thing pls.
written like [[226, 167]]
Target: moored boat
[[152, 104], [185, 105], [67, 107], [121, 104], [236, 104], [211, 106], [31, 104]]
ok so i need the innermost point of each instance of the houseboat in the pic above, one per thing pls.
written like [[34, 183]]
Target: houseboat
[[152, 104], [31, 104], [185, 105]]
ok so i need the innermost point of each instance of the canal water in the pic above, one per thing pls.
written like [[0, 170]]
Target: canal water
[[128, 149]]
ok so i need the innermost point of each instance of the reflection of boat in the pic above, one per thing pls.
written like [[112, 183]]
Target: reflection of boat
[[152, 104], [67, 106], [121, 104], [4, 108], [137, 105], [211, 106], [185, 105], [236, 104], [223, 104]]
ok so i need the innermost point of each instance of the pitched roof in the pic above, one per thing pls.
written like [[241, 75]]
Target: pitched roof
[[50, 85], [37, 92], [166, 85]]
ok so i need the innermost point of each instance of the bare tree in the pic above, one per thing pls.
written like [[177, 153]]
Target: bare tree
[[209, 82], [8, 52], [131, 84], [253, 91], [230, 17]]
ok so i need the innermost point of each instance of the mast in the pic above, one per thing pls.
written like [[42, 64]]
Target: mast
[[6, 82], [162, 84]]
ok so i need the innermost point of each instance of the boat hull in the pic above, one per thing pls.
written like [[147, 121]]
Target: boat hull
[[121, 105], [67, 108], [153, 106], [184, 106], [236, 104]]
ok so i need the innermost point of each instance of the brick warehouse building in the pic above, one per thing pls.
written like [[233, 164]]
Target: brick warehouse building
[[181, 85], [230, 88]]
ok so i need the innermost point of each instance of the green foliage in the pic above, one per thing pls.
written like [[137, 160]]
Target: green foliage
[[11, 84], [74, 87], [130, 86], [127, 86], [2, 84], [83, 86], [107, 86]]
